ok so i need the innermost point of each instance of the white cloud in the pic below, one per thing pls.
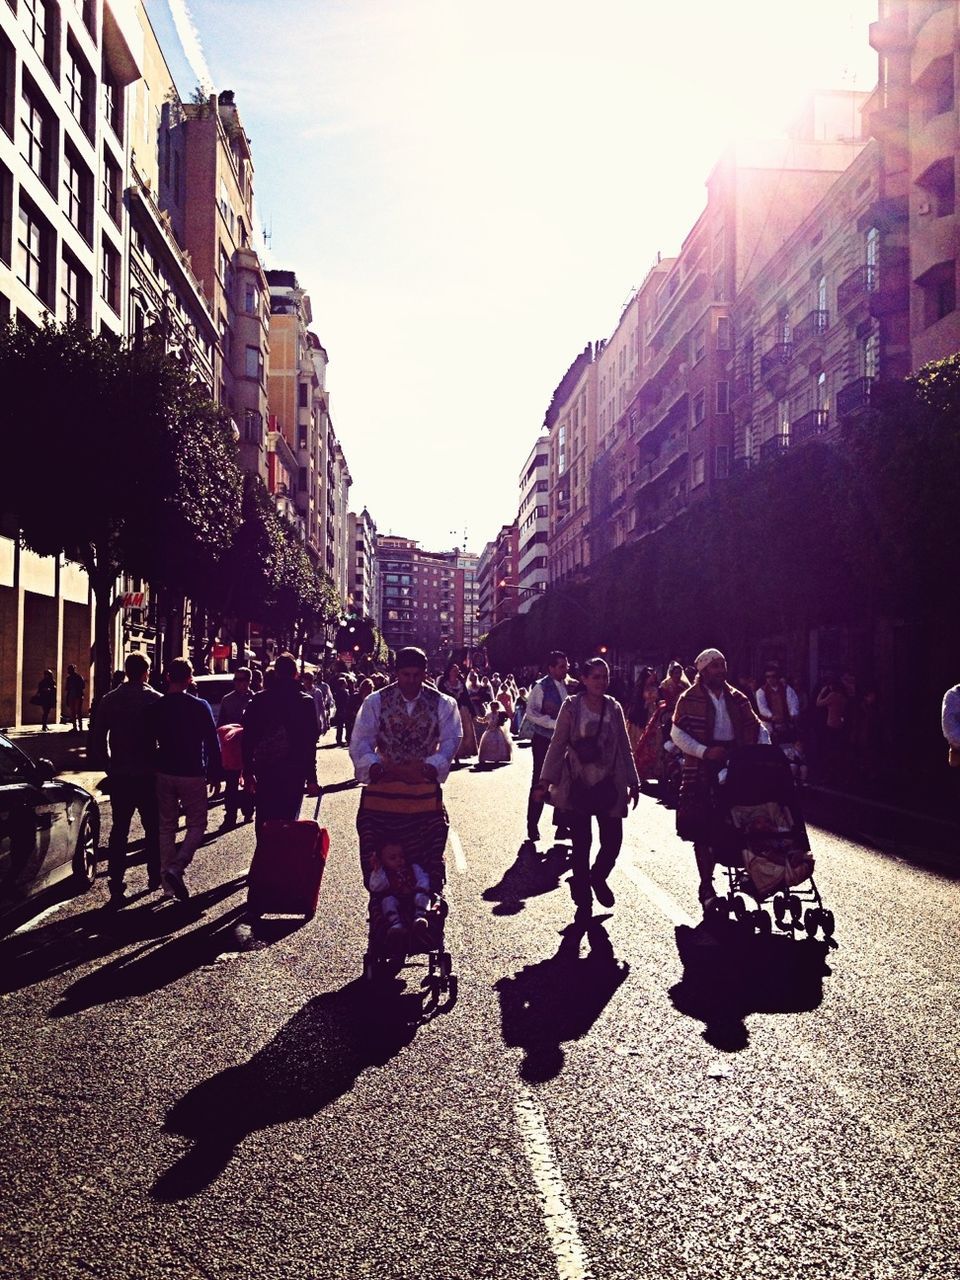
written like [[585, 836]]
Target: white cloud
[[190, 42]]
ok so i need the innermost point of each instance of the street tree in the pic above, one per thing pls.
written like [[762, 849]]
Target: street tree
[[113, 456]]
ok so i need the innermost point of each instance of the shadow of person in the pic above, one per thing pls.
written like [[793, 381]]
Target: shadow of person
[[545, 1004], [729, 974], [311, 1062], [166, 952], [528, 876]]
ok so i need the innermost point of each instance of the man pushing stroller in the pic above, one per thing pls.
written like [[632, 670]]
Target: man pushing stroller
[[402, 747]]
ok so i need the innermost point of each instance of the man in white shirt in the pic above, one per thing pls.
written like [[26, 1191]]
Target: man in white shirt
[[319, 691], [402, 747], [778, 706], [710, 718], [540, 719]]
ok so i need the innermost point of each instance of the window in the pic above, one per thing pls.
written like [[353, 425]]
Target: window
[[111, 192], [6, 213], [38, 139], [110, 274], [39, 23], [302, 394], [34, 241], [74, 290], [783, 420], [871, 355], [821, 294], [723, 397], [78, 192], [113, 101], [721, 463], [872, 247], [253, 363], [723, 333], [699, 408], [698, 345], [698, 474], [302, 479], [251, 299], [78, 88], [8, 85], [253, 427]]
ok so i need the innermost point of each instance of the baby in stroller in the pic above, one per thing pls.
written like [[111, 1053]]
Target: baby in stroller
[[396, 883]]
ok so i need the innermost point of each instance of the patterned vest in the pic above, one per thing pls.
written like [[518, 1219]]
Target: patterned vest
[[550, 705], [403, 737]]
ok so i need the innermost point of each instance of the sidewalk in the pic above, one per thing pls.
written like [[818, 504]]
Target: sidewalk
[[66, 750], [904, 832]]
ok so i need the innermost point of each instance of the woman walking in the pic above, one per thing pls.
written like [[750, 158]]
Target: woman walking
[[46, 697], [452, 684], [590, 772]]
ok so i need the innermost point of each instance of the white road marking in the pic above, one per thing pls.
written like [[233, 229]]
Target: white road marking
[[659, 897], [557, 1214], [459, 857], [32, 924]]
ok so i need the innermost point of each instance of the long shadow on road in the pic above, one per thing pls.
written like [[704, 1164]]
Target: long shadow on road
[[728, 975], [312, 1061], [559, 999], [528, 876]]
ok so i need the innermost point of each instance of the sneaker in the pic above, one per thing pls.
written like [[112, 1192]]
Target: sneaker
[[174, 885], [602, 892], [153, 884]]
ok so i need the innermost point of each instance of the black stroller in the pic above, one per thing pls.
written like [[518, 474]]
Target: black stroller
[[762, 842], [388, 951]]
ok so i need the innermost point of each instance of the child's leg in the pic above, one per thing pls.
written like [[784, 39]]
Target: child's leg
[[391, 910]]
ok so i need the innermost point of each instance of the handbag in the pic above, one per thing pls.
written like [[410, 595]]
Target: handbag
[[587, 749]]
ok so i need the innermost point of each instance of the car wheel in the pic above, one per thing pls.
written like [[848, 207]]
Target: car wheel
[[85, 855]]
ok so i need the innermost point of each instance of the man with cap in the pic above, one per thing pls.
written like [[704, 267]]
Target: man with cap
[[710, 717], [402, 748]]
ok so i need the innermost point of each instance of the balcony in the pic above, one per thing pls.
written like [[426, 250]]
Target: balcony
[[773, 363], [671, 450], [890, 34], [773, 447], [812, 326], [857, 286], [814, 423], [855, 397]]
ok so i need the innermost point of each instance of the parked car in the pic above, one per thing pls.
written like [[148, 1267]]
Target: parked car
[[213, 688], [49, 828]]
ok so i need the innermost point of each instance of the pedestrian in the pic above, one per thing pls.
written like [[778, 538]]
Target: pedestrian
[[188, 753], [256, 680], [454, 686], [319, 691], [540, 719], [358, 692], [590, 771], [778, 706], [402, 748], [280, 733], [230, 733], [832, 700], [73, 687], [46, 697], [341, 699], [672, 685], [709, 718], [496, 746], [123, 739], [950, 721], [645, 725]]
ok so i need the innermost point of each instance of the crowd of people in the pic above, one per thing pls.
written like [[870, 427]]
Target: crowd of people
[[591, 752]]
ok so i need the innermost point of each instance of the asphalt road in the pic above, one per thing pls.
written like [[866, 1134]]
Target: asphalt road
[[184, 1096]]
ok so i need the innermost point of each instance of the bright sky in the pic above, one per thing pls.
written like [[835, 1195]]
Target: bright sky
[[469, 193]]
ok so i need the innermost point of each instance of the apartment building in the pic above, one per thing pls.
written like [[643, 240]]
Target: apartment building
[[484, 583], [417, 591], [206, 186], [533, 525], [571, 422], [362, 561], [913, 114], [64, 122], [466, 623]]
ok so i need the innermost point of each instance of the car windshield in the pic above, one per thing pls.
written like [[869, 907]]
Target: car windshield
[[14, 765]]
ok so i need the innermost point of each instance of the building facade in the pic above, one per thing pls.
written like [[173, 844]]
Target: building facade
[[362, 560], [533, 525], [417, 593]]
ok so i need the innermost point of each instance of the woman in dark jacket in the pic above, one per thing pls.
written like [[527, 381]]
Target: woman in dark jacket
[[46, 697]]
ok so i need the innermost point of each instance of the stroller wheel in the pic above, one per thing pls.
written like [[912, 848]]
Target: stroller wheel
[[446, 964], [796, 908], [740, 909], [811, 920], [827, 923], [369, 969], [762, 922], [779, 908]]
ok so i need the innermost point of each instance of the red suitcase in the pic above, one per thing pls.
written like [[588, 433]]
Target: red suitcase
[[287, 867]]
